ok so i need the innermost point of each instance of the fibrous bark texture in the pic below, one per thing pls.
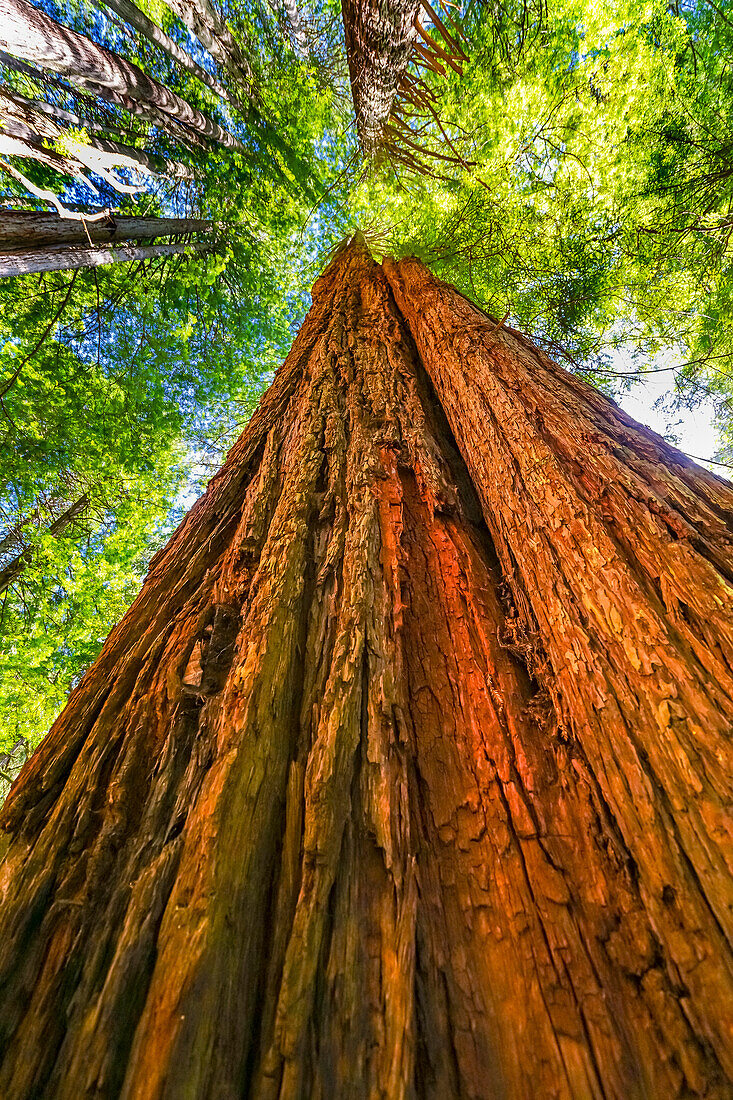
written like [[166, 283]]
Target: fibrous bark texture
[[382, 41], [405, 776], [379, 40]]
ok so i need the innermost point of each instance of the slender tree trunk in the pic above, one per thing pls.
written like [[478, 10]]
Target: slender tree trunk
[[205, 22], [33, 150], [140, 22], [31, 35], [10, 764], [10, 572], [404, 776], [149, 162], [26, 129], [39, 117], [299, 37], [66, 257], [20, 229]]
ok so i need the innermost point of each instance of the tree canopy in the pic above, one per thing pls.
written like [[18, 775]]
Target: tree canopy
[[568, 167]]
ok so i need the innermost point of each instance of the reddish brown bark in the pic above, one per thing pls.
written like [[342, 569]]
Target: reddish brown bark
[[403, 777]]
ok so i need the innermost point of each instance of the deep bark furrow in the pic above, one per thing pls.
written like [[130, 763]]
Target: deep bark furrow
[[586, 605], [402, 777]]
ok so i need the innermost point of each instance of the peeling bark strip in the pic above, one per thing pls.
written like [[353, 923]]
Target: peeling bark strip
[[404, 776]]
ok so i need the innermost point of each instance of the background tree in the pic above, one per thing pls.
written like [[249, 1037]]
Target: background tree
[[127, 385]]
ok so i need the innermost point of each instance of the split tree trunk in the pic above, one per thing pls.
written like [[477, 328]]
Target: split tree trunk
[[405, 775]]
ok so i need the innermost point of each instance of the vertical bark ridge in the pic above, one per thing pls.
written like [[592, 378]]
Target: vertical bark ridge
[[379, 40], [598, 526], [401, 777]]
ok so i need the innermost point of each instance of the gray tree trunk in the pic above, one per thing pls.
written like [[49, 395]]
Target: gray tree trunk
[[140, 22], [10, 572], [66, 257], [31, 35], [29, 229], [203, 20]]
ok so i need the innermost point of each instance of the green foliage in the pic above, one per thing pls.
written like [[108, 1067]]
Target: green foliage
[[594, 200], [55, 619], [124, 386]]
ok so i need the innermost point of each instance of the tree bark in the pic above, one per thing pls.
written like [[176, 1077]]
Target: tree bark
[[379, 40], [87, 93], [31, 35], [50, 120], [205, 22], [404, 776], [66, 257], [20, 229], [24, 138], [33, 150], [140, 22]]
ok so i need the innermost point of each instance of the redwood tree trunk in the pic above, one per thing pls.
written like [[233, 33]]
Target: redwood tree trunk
[[404, 776]]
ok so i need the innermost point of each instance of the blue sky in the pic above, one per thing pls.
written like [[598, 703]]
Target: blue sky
[[694, 429]]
